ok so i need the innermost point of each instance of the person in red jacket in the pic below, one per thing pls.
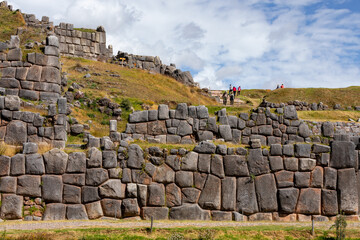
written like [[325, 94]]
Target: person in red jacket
[[234, 91], [239, 90], [282, 86]]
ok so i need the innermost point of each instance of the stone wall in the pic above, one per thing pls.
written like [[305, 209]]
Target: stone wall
[[284, 182], [37, 77], [188, 124], [154, 64], [18, 127]]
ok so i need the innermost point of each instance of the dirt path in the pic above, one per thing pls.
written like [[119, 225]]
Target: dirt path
[[22, 225]]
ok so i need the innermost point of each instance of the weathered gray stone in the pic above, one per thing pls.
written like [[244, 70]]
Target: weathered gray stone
[[304, 130], [343, 155], [184, 128], [34, 164], [111, 208], [290, 112], [288, 150], [8, 184], [17, 166], [225, 132], [72, 194], [257, 163], [235, 165], [291, 164], [266, 193], [12, 103], [109, 159], [276, 163], [221, 216], [327, 129], [55, 211], [95, 158], [190, 162], [307, 164], [4, 165], [189, 212], [130, 207], [52, 188], [246, 201], [163, 111], [29, 148], [90, 194], [205, 147], [329, 203], [94, 210], [158, 128], [302, 179], [330, 178], [50, 75], [317, 177], [16, 133], [164, 174], [319, 148], [29, 186], [96, 176], [228, 193], [287, 199], [204, 163], [76, 212], [76, 163], [217, 166], [275, 149], [173, 195], [14, 55], [190, 195], [210, 197], [55, 161], [52, 40], [347, 192], [309, 201], [112, 189], [184, 179], [302, 150], [156, 213], [156, 195], [11, 206], [284, 179], [181, 111], [173, 161], [136, 156]]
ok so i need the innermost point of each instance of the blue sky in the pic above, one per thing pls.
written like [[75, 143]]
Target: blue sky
[[252, 43]]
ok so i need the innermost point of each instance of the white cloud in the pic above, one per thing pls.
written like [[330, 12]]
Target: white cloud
[[252, 43]]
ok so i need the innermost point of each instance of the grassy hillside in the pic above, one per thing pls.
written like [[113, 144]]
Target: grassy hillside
[[9, 22], [330, 96]]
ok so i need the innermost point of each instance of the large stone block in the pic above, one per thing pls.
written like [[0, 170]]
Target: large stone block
[[317, 176], [34, 73], [130, 207], [184, 129], [52, 188], [16, 133], [205, 147], [55, 161], [76, 212], [4, 165], [72, 194], [190, 195], [330, 178], [302, 179], [302, 150], [189, 212], [94, 158], [90, 194], [74, 179], [204, 163], [50, 75], [113, 188], [228, 193], [10, 83], [94, 210], [290, 112], [173, 195], [184, 179], [309, 201], [284, 179], [111, 208], [288, 199], [235, 165], [217, 166], [190, 162], [164, 174], [96, 176], [307, 164], [28, 185], [163, 111], [136, 157], [14, 55], [157, 128], [266, 193], [225, 132], [181, 111], [8, 184], [55, 211], [329, 203], [343, 155], [257, 163], [347, 191], [156, 195], [156, 213], [328, 129], [210, 197], [76, 163], [246, 201], [109, 159], [34, 164], [11, 206]]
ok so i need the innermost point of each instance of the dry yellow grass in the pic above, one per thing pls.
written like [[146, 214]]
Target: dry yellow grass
[[333, 116], [9, 150]]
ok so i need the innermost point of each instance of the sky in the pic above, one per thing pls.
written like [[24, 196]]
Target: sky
[[247, 43]]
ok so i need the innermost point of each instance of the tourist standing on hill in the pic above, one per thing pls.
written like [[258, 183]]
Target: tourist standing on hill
[[224, 96], [282, 85], [277, 87], [239, 90], [234, 91], [231, 99]]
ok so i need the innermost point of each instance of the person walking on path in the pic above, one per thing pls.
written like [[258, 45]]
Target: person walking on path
[[231, 99], [224, 96], [239, 90], [282, 85], [234, 91]]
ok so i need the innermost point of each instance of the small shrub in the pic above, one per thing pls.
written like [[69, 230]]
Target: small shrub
[[125, 104], [208, 234], [91, 115], [340, 225], [176, 236]]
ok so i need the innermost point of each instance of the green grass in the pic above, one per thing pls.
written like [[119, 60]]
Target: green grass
[[9, 22]]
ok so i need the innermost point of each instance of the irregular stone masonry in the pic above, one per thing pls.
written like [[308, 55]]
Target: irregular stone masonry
[[37, 78], [189, 124], [18, 127], [154, 64], [286, 182]]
